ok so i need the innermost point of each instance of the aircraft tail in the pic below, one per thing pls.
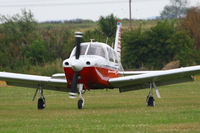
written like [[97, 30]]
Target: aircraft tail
[[117, 47]]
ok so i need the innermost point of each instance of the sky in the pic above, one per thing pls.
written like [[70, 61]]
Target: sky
[[47, 10]]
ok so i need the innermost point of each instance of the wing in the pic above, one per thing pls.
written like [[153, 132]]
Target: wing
[[163, 77], [135, 72], [33, 81], [58, 75]]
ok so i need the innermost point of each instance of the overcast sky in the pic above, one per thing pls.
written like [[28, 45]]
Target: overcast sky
[[86, 9]]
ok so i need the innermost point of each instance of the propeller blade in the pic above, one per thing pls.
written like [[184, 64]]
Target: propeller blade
[[73, 91], [78, 36]]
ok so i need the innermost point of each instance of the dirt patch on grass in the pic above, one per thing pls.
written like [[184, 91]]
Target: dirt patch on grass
[[3, 84]]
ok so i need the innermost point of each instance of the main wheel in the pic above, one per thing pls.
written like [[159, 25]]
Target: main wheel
[[41, 103], [150, 101], [80, 104]]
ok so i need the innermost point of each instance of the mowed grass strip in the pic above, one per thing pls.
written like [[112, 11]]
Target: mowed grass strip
[[105, 111]]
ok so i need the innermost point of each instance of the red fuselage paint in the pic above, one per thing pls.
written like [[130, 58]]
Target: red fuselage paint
[[92, 77]]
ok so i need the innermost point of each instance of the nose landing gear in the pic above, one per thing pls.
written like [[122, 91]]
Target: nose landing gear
[[81, 100], [80, 104]]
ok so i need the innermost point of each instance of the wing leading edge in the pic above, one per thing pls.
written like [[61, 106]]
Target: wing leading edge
[[135, 72], [34, 81], [163, 77]]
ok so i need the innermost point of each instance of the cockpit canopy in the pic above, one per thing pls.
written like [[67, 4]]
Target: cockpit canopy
[[99, 49], [91, 49]]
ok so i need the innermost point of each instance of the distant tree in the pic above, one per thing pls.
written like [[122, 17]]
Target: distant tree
[[59, 41], [182, 46], [16, 33], [108, 25], [36, 53], [134, 49], [94, 34], [18, 26], [191, 23], [159, 51], [176, 9]]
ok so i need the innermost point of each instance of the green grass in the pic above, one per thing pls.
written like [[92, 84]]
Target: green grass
[[74, 26], [105, 111], [146, 24]]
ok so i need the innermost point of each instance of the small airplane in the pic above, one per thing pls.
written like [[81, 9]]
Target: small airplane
[[96, 65]]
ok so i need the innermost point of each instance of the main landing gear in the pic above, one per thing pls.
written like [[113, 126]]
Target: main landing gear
[[41, 101], [150, 101]]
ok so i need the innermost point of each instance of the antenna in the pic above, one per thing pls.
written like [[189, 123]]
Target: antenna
[[92, 40]]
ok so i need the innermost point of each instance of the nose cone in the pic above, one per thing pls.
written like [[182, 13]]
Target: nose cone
[[77, 65]]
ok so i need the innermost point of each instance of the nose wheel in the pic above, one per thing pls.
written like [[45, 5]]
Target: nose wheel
[[80, 103], [81, 100]]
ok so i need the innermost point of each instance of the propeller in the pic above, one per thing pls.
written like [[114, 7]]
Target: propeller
[[78, 36], [73, 91]]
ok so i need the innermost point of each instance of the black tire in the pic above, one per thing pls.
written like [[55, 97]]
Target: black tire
[[41, 103], [80, 104], [150, 101]]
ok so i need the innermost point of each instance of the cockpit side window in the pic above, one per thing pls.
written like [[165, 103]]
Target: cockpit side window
[[110, 55], [96, 50]]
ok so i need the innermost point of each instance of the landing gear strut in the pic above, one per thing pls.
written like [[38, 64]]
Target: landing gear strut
[[81, 100]]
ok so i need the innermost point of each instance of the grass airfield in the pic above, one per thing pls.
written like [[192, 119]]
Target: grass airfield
[[105, 111]]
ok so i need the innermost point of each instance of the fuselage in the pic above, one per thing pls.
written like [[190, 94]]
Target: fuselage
[[98, 62]]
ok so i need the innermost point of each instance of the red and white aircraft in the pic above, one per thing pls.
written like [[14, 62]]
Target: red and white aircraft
[[95, 65]]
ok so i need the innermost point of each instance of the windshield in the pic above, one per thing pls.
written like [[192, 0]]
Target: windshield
[[83, 50], [96, 50]]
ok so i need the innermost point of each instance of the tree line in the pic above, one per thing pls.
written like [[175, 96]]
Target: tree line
[[169, 40], [24, 44]]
